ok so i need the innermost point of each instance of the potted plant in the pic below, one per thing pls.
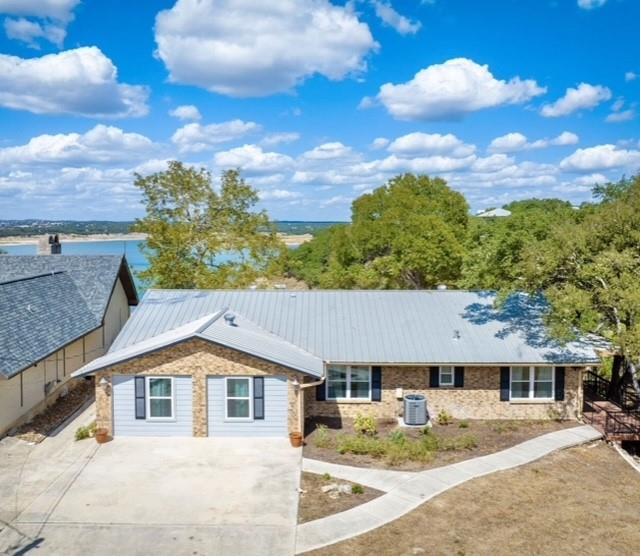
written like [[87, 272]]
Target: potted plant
[[296, 439], [102, 436]]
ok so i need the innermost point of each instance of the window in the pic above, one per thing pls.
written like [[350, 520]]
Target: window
[[238, 398], [532, 383], [350, 382], [160, 397], [446, 376]]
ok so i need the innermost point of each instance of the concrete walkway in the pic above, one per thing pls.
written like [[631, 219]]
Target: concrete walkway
[[407, 491]]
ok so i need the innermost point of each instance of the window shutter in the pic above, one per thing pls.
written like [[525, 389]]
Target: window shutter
[[258, 397], [504, 384], [434, 377], [321, 394], [559, 386], [141, 406], [458, 377], [376, 384]]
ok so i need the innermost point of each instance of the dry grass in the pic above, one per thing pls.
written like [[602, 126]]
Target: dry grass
[[579, 501], [315, 504]]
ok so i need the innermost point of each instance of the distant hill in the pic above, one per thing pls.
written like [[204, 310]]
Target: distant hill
[[34, 227]]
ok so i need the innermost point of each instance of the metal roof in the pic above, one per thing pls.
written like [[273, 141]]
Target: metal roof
[[494, 213], [374, 326], [49, 301], [232, 331]]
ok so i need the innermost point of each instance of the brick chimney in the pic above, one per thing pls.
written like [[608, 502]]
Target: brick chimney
[[49, 245]]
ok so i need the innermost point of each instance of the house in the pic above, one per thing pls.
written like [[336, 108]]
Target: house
[[249, 363], [57, 313], [494, 213]]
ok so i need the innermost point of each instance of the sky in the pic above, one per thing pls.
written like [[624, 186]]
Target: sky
[[315, 101]]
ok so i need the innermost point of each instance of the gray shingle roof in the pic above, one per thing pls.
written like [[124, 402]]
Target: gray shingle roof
[[403, 327], [48, 301]]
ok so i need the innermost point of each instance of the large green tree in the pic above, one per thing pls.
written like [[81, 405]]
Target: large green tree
[[200, 237]]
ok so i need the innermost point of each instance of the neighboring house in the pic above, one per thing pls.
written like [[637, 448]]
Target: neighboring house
[[247, 363], [57, 313], [494, 213]]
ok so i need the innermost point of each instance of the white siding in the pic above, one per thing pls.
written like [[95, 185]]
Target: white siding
[[124, 415], [275, 410]]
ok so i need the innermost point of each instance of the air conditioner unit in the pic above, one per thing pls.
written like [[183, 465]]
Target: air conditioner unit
[[415, 409]]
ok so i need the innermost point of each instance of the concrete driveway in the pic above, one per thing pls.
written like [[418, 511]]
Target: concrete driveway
[[171, 496]]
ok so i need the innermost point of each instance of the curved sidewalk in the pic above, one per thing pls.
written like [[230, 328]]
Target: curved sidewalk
[[407, 491]]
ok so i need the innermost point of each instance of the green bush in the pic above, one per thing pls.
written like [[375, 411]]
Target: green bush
[[326, 477], [365, 424], [357, 489], [444, 417], [397, 437], [464, 442], [86, 432], [463, 424], [322, 438]]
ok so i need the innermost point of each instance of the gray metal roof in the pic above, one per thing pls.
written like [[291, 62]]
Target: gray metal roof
[[374, 326], [234, 332], [49, 301]]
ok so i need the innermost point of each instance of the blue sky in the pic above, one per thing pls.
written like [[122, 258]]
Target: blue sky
[[316, 101]]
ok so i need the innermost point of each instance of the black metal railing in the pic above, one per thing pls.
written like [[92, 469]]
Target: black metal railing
[[624, 425], [597, 387]]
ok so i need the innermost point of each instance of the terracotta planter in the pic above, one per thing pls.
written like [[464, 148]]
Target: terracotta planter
[[296, 439], [102, 436]]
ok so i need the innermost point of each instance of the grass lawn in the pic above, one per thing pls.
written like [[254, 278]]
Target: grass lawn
[[460, 440], [584, 500], [315, 504]]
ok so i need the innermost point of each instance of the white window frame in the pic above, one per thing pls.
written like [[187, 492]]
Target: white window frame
[[348, 397], [148, 380], [453, 376], [532, 380], [227, 397]]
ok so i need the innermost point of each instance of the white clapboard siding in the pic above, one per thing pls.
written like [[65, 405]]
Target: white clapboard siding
[[275, 410], [124, 415]]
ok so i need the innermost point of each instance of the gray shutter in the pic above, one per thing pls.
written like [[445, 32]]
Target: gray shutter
[[141, 405], [458, 377], [505, 380], [559, 386], [434, 377], [258, 397], [376, 384]]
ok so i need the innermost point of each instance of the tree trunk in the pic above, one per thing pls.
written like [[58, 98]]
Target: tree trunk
[[617, 371], [631, 369]]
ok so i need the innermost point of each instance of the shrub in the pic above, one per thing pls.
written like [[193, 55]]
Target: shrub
[[86, 432], [464, 442], [322, 438], [397, 437], [357, 489], [361, 444], [463, 424], [444, 417], [365, 424], [506, 426], [326, 477]]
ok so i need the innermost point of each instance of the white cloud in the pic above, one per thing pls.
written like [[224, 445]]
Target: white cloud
[[584, 97], [81, 82], [591, 4], [53, 9], [379, 143], [453, 89], [630, 76], [27, 31], [431, 143], [513, 142], [402, 24], [590, 180], [186, 112], [196, 137], [279, 195], [492, 163], [100, 145], [328, 151], [280, 138], [618, 115], [252, 160], [241, 49], [420, 165], [601, 157], [54, 15]]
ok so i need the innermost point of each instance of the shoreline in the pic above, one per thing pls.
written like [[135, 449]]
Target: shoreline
[[13, 241]]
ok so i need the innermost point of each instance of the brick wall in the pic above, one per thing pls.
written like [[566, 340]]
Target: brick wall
[[478, 399], [198, 359]]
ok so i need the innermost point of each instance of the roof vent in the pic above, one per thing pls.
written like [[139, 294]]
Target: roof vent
[[442, 287], [456, 334], [230, 319]]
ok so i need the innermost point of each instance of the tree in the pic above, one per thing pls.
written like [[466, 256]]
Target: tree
[[407, 234], [589, 272], [199, 237]]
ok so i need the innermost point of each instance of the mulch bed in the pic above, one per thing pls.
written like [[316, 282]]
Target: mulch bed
[[490, 435], [53, 416], [315, 504]]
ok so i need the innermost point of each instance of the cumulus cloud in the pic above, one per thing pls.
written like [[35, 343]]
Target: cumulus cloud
[[328, 151], [630, 76], [513, 142], [389, 16], [82, 82], [100, 145], [618, 115], [601, 157], [186, 112], [453, 89], [252, 160], [379, 143], [584, 97], [279, 195], [243, 49], [591, 4], [279, 138], [28, 32], [431, 143], [196, 137]]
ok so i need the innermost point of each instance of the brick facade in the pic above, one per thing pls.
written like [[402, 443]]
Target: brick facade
[[479, 398], [198, 359]]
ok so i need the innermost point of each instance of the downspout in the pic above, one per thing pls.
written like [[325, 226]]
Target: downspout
[[300, 387]]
